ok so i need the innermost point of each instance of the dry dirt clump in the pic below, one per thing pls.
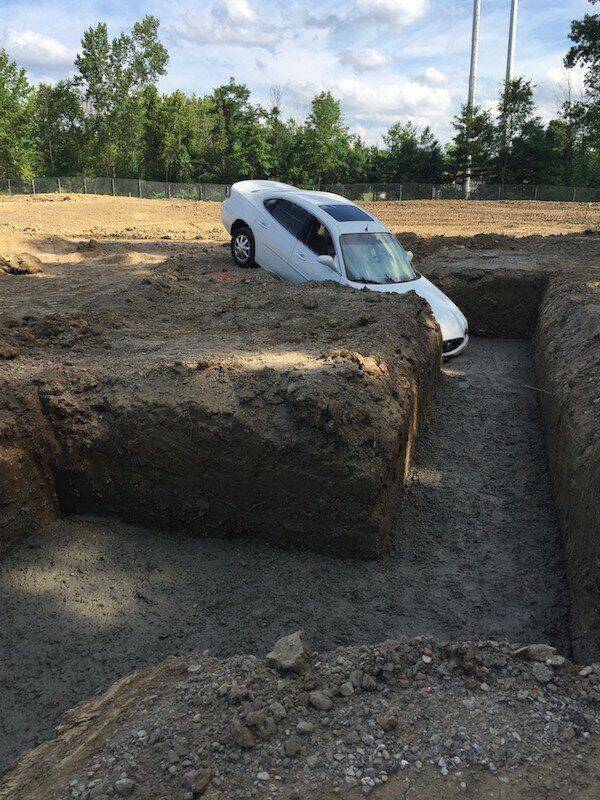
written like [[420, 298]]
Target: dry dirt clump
[[220, 402], [413, 718], [568, 360], [21, 264]]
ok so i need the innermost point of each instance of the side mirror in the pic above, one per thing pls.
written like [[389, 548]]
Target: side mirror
[[327, 261], [410, 255]]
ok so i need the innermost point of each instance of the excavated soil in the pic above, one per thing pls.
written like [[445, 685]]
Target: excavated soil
[[127, 356], [91, 600], [218, 403], [486, 720], [568, 358]]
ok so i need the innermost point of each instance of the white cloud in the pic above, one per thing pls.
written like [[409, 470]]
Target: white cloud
[[232, 22], [390, 12], [564, 78], [236, 11], [364, 58], [403, 97], [34, 49], [434, 76]]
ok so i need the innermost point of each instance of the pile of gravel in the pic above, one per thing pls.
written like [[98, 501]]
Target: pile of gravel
[[298, 724]]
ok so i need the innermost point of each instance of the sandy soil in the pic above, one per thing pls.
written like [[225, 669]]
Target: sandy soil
[[92, 600], [89, 215]]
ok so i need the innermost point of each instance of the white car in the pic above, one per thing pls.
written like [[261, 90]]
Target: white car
[[303, 236]]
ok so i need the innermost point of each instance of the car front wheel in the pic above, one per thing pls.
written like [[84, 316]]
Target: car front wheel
[[242, 247]]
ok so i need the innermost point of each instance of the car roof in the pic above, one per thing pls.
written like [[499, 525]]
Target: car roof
[[257, 191]]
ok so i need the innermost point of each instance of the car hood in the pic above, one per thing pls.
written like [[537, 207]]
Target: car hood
[[449, 317]]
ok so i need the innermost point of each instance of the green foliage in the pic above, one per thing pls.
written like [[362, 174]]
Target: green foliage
[[473, 144], [585, 34], [412, 155], [110, 119], [17, 150]]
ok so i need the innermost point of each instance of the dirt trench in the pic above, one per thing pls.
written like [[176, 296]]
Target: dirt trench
[[94, 599]]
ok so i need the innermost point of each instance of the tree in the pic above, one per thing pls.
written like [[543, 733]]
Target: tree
[[412, 155], [112, 76], [515, 112], [325, 141], [472, 146], [57, 126], [17, 150], [585, 34]]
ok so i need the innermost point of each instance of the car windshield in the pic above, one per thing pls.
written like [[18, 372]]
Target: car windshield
[[375, 258]]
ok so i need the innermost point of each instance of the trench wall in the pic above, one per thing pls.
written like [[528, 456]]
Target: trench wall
[[567, 345], [301, 445], [563, 317]]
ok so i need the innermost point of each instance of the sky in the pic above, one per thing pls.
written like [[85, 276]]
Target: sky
[[385, 60]]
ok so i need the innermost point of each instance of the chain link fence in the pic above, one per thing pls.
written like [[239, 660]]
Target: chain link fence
[[118, 187], [453, 191], [159, 190]]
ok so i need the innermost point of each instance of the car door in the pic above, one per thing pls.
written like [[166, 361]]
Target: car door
[[277, 229], [316, 241]]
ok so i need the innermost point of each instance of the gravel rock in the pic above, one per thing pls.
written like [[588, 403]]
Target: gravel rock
[[124, 787], [447, 733], [242, 735], [290, 653], [320, 700], [304, 727], [542, 673], [536, 652]]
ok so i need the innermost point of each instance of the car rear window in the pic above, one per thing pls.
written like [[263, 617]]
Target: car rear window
[[347, 213]]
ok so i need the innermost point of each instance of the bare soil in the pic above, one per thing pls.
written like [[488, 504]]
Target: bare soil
[[413, 719], [568, 365], [92, 599], [89, 215], [117, 320]]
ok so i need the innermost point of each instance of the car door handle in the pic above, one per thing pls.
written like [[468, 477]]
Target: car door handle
[[263, 224], [300, 257]]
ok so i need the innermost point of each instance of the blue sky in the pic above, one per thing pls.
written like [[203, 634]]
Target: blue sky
[[386, 60]]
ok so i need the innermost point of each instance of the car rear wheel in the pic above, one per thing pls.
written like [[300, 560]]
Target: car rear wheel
[[242, 247]]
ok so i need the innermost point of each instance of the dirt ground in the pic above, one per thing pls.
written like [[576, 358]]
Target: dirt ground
[[92, 600], [89, 215]]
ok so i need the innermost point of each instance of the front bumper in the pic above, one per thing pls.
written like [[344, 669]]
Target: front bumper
[[452, 347]]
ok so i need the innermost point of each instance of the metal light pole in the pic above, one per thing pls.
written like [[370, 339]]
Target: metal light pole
[[512, 34], [473, 80], [474, 52]]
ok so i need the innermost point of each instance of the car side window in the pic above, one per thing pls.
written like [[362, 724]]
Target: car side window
[[318, 238], [293, 218]]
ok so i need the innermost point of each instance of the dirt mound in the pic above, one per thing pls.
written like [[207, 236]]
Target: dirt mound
[[483, 720], [568, 355], [228, 407], [21, 264]]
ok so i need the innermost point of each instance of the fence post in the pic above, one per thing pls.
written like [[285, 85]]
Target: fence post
[[84, 185], [500, 192], [33, 186], [59, 186], [112, 186], [139, 188], [535, 194], [574, 193], [201, 192], [400, 192], [433, 191], [169, 190], [9, 187]]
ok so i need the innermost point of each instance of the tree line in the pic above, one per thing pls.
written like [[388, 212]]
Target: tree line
[[110, 119]]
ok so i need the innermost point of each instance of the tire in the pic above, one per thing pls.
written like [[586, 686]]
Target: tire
[[242, 247]]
